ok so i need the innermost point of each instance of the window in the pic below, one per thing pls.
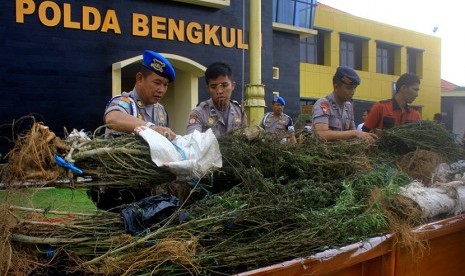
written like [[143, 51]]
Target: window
[[299, 13], [351, 51], [385, 58], [414, 61], [312, 49], [306, 106]]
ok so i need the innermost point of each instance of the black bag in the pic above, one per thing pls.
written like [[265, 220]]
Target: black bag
[[148, 211], [114, 199]]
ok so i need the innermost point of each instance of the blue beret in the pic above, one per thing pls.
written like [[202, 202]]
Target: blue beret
[[158, 64], [279, 100], [347, 75]]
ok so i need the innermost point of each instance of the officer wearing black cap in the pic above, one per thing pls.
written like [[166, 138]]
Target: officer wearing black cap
[[333, 116], [141, 107], [278, 123]]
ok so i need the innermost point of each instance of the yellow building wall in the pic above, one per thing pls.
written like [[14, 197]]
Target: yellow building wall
[[316, 80]]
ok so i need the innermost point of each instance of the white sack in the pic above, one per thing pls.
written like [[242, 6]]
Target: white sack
[[459, 186], [433, 201], [444, 172], [189, 156]]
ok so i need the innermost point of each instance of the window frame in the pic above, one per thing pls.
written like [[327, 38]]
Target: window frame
[[385, 62], [294, 17], [417, 59], [317, 42], [357, 51]]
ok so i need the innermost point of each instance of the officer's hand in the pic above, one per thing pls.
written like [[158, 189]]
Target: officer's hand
[[367, 137], [165, 131]]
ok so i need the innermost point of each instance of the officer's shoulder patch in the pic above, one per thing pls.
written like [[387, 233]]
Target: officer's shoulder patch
[[194, 113], [325, 107], [123, 104], [194, 117], [202, 104]]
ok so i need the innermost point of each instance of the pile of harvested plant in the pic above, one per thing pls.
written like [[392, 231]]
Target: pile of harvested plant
[[269, 203]]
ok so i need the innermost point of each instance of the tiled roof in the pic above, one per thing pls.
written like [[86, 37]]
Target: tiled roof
[[448, 86]]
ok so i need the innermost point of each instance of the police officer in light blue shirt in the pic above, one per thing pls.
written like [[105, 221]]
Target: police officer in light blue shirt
[[278, 123], [220, 113], [333, 116], [125, 112], [141, 107]]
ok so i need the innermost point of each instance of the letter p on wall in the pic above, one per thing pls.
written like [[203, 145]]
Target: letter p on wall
[[24, 7]]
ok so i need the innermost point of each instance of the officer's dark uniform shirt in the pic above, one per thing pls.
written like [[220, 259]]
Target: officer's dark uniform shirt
[[327, 111], [281, 125], [387, 114], [206, 116], [130, 103]]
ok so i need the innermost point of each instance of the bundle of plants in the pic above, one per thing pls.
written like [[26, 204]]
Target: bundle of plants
[[320, 162], [32, 157], [420, 164], [119, 162], [76, 232], [293, 224], [125, 161], [257, 223], [55, 239], [262, 222], [425, 135]]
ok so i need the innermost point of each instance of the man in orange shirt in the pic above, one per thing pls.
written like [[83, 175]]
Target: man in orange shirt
[[396, 111]]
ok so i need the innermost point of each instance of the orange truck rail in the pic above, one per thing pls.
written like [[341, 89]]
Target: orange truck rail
[[445, 255]]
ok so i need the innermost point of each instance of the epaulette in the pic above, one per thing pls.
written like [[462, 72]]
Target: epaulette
[[202, 104], [128, 100], [194, 113], [235, 102]]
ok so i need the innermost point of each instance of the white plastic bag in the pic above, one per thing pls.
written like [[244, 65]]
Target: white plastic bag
[[189, 156]]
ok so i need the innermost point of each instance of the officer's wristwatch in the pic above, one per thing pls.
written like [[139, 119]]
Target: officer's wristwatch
[[149, 124]]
